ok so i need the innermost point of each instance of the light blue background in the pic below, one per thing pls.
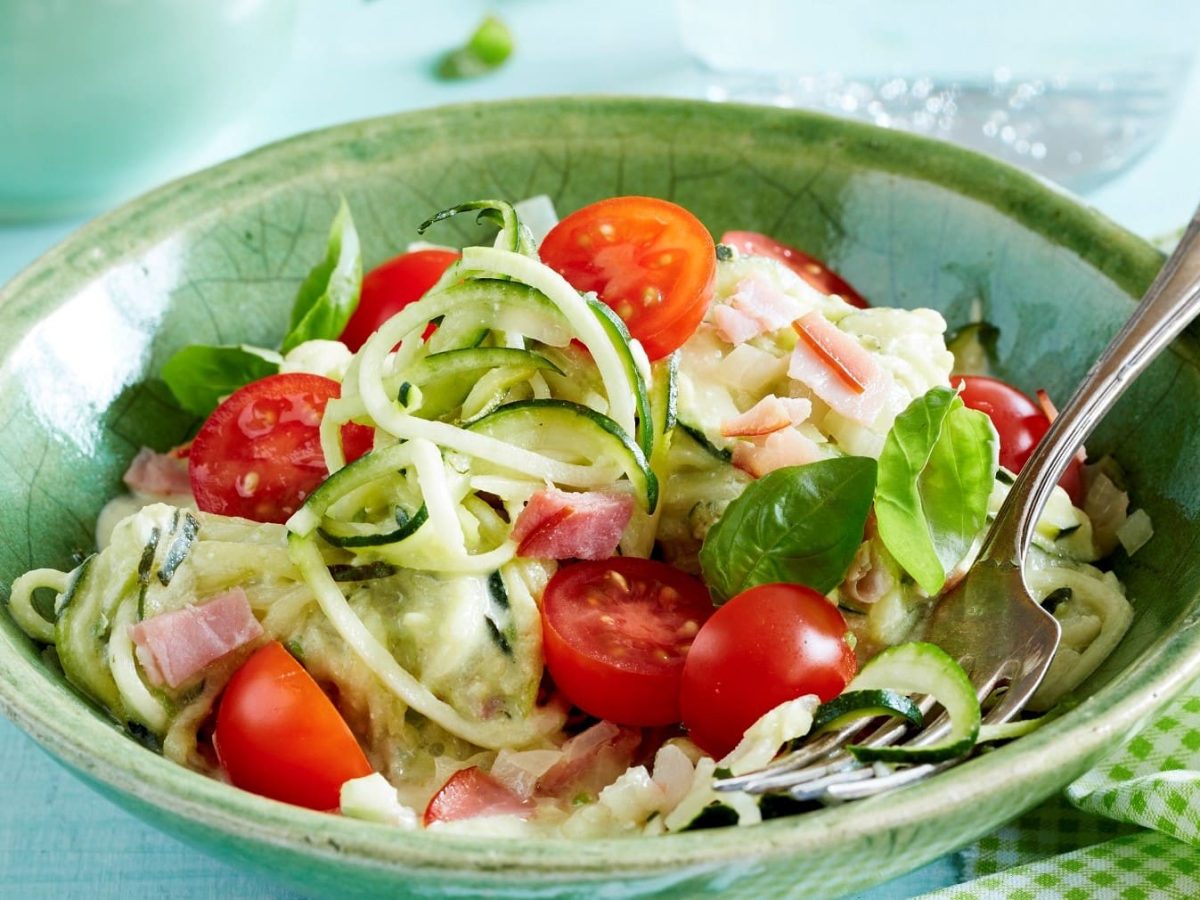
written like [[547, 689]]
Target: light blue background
[[354, 59]]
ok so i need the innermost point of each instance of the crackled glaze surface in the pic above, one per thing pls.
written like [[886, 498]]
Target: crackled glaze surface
[[217, 257]]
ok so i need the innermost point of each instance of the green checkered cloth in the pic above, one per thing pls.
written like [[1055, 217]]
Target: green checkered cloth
[[1136, 818]]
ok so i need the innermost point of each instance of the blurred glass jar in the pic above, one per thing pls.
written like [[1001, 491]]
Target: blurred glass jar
[[1075, 90], [101, 98]]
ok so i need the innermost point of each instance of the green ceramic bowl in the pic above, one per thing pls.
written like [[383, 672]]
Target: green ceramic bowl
[[216, 258]]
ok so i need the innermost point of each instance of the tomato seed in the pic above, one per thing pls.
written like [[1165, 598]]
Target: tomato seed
[[618, 579], [246, 484]]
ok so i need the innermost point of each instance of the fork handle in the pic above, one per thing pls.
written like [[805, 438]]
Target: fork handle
[[1172, 302]]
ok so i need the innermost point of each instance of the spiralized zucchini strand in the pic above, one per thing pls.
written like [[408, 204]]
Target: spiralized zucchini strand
[[405, 427], [491, 735], [137, 698], [20, 601], [575, 309], [443, 515]]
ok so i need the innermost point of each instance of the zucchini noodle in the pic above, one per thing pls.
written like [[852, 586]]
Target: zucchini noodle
[[492, 735], [536, 465], [1093, 620], [443, 515], [138, 700], [285, 610], [20, 601], [575, 309]]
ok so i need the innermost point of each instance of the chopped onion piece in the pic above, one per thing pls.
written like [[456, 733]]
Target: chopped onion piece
[[789, 720], [373, 799], [1135, 531]]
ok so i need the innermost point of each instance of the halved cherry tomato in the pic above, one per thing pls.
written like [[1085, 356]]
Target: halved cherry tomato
[[811, 269], [390, 287], [258, 455], [768, 645], [1019, 421], [278, 735], [472, 792], [649, 259], [615, 633]]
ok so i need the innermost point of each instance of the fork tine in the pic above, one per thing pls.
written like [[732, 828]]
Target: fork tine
[[1013, 700], [822, 757], [881, 783], [798, 759], [785, 781], [818, 788]]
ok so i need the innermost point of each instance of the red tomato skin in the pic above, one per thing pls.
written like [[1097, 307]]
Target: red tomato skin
[[769, 644], [811, 269], [390, 287], [279, 736], [628, 682], [472, 792], [258, 455], [1019, 421], [616, 248]]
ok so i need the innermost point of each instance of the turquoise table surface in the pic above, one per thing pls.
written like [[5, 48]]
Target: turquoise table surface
[[353, 59]]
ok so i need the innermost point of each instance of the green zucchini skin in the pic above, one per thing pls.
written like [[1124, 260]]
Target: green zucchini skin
[[407, 526], [866, 704], [922, 668], [539, 423]]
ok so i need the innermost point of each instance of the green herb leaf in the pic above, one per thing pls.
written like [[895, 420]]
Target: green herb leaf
[[200, 376], [800, 524], [488, 48], [330, 293], [935, 476]]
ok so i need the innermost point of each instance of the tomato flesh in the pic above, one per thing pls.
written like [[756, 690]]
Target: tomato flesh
[[651, 260], [1019, 421], [472, 792], [390, 287], [769, 644], [259, 456], [615, 633], [279, 736], [811, 269]]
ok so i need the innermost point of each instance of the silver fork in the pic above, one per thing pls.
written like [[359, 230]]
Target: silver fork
[[988, 620]]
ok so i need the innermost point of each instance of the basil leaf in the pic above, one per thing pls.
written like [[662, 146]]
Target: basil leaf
[[200, 376], [935, 476], [800, 524], [330, 293], [488, 48]]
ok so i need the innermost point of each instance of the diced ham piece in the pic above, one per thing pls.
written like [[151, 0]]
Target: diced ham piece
[[592, 760], [838, 369], [161, 474], [734, 327], [560, 525], [472, 792], [175, 646], [1051, 412], [786, 447], [766, 304], [768, 415], [868, 577]]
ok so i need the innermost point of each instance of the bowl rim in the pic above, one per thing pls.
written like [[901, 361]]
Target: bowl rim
[[57, 720]]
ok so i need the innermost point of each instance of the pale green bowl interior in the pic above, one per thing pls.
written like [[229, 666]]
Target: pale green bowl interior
[[217, 258]]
